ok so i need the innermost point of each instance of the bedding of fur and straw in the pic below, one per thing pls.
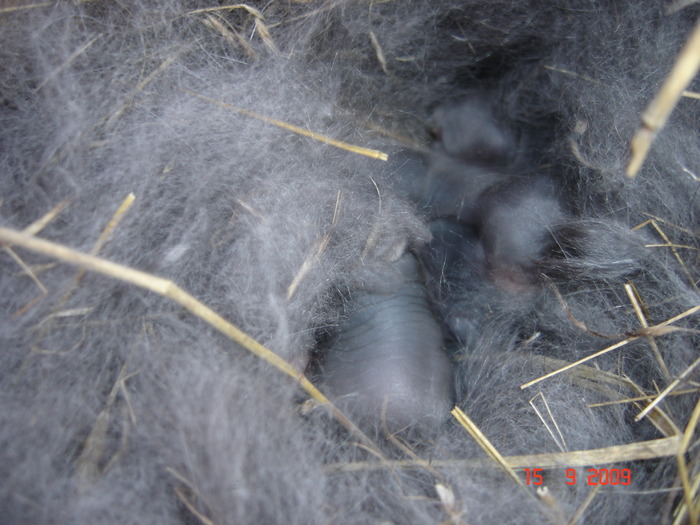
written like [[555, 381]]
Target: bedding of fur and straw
[[189, 189]]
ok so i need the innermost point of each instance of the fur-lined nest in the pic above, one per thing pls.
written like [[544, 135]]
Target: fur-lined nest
[[190, 189]]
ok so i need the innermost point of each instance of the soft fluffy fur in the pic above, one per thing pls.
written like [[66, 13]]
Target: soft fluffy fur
[[119, 407]]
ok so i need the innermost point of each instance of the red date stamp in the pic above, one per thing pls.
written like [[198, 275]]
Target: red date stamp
[[595, 476]]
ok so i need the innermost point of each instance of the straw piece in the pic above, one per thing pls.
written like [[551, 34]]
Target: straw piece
[[655, 116], [371, 153]]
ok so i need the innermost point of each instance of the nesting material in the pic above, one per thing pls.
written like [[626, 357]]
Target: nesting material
[[191, 191]]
